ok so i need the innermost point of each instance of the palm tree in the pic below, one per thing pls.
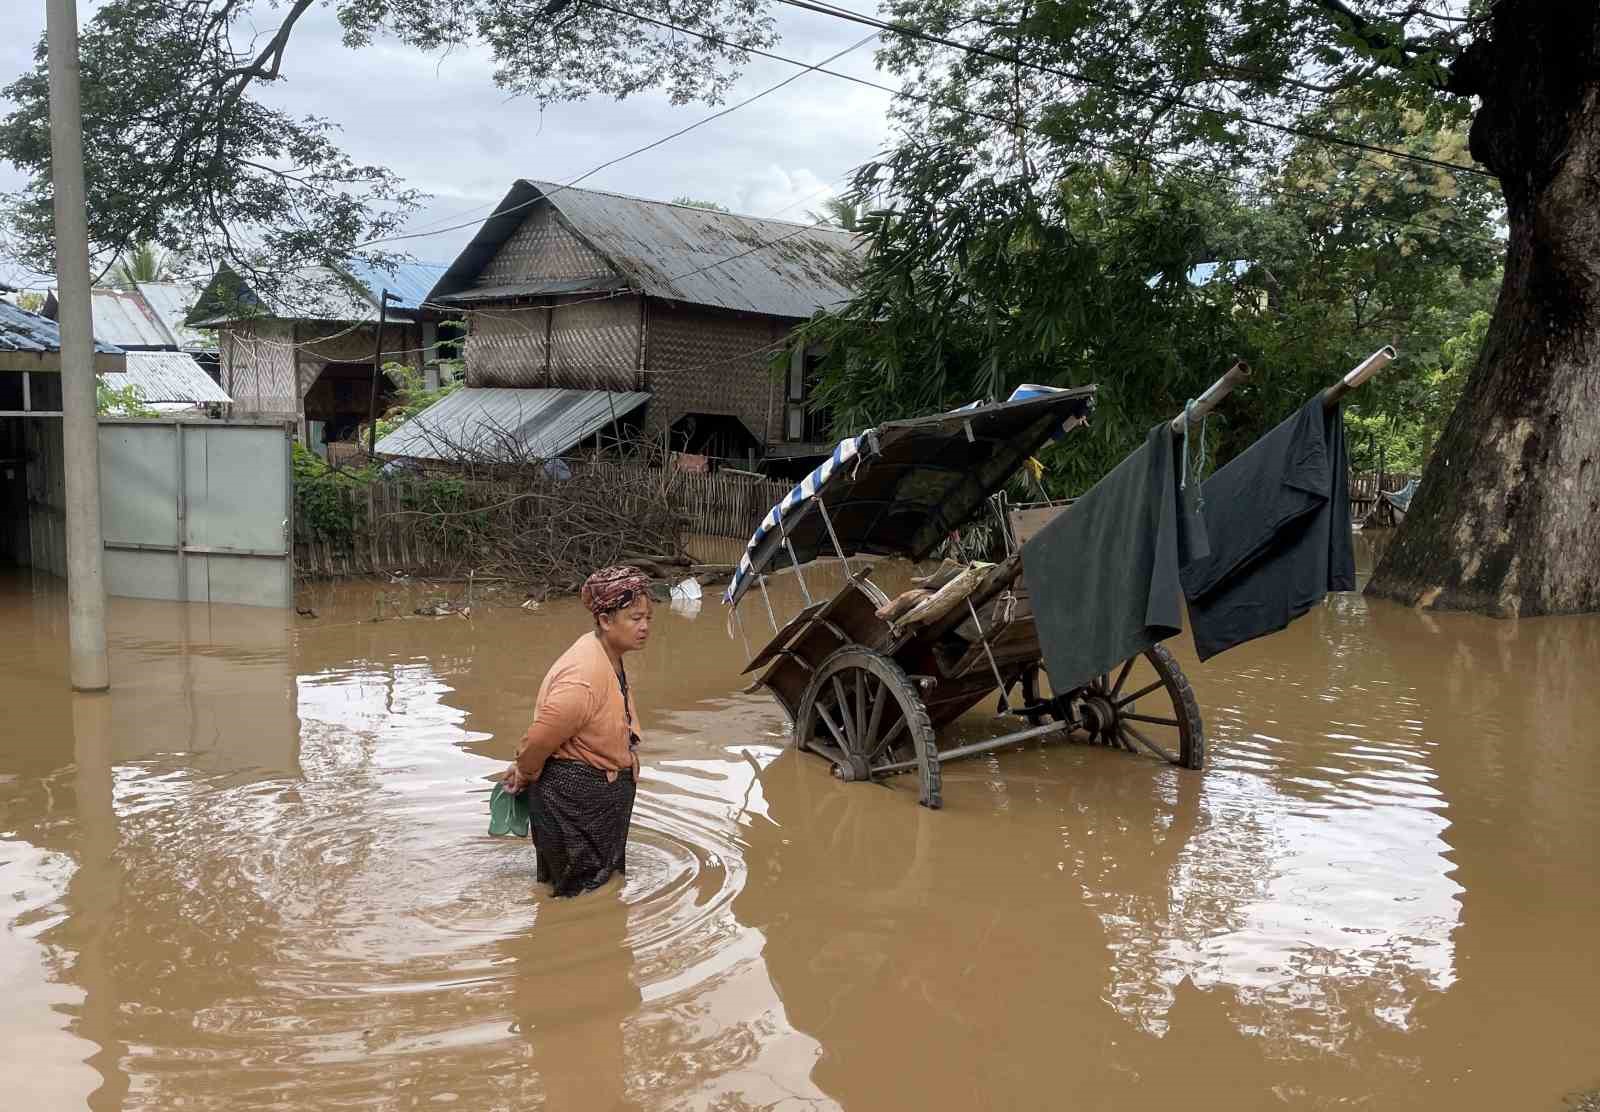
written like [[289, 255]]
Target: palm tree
[[147, 263], [839, 212]]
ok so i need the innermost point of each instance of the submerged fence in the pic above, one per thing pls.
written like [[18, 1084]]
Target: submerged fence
[[405, 524], [1364, 488], [424, 525]]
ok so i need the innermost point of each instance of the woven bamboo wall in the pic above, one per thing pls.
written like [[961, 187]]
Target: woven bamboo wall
[[403, 340], [543, 248], [506, 347], [594, 345], [701, 360], [258, 369]]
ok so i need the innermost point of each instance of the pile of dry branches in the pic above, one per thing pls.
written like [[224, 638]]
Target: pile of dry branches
[[500, 509]]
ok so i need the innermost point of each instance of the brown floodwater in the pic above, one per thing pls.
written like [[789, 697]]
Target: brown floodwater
[[255, 875]]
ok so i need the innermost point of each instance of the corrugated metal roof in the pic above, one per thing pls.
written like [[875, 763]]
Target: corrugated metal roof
[[170, 376], [538, 287], [121, 317], [408, 281], [681, 252], [21, 330], [171, 302], [347, 293], [548, 421]]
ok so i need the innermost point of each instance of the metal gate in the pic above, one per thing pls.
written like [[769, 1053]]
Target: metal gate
[[198, 511]]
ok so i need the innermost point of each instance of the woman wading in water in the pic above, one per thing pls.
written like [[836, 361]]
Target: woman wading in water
[[579, 760]]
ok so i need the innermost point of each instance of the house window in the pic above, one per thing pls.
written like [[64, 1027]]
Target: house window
[[801, 425], [30, 392]]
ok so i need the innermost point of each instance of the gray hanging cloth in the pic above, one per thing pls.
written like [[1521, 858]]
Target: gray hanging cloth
[[1103, 575], [1277, 525]]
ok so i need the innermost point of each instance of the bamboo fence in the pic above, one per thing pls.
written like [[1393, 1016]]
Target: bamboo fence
[[1364, 488], [391, 530]]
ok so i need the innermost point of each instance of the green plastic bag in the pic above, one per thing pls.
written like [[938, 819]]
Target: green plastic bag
[[508, 814]]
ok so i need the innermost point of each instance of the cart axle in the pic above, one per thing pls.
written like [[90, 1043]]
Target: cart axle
[[987, 746]]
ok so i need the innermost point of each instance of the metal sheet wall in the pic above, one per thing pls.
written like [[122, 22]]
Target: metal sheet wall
[[197, 511]]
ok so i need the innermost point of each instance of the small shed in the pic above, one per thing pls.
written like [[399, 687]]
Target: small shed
[[171, 381], [305, 350], [32, 480]]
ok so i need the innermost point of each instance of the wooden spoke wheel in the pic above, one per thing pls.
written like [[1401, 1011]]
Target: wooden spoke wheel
[[863, 713], [1145, 704]]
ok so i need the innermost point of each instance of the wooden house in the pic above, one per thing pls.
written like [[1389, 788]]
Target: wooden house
[[586, 308], [305, 351]]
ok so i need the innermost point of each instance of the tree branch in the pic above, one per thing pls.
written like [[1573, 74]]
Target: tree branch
[[267, 63], [1363, 29]]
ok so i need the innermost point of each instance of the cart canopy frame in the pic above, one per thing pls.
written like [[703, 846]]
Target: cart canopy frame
[[902, 488]]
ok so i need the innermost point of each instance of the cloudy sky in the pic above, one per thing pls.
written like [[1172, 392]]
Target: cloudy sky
[[445, 128]]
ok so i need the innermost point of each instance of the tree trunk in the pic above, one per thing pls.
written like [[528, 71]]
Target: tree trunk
[[1507, 519]]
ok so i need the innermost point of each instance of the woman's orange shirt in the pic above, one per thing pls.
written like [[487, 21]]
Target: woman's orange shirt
[[581, 715]]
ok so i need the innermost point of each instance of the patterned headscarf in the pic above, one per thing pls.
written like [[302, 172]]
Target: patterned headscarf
[[611, 589]]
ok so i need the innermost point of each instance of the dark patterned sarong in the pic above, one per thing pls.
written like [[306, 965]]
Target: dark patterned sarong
[[579, 825]]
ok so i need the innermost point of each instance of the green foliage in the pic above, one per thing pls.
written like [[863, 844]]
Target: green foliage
[[1401, 436], [413, 394], [145, 263], [692, 203], [183, 147], [120, 401], [333, 501], [839, 212], [325, 498], [179, 154], [1035, 227]]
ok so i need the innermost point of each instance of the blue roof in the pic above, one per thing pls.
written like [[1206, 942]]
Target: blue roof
[[409, 282], [21, 330]]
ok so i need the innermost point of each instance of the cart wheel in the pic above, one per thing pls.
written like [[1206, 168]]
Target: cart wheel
[[1146, 702], [863, 713]]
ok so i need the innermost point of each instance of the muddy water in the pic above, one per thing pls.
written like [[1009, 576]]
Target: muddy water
[[255, 876]]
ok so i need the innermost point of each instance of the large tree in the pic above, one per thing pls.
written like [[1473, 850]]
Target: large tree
[[182, 152], [1508, 520], [1508, 517]]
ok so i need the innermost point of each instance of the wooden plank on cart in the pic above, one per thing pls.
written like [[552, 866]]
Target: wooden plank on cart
[[845, 607], [780, 640], [1027, 521]]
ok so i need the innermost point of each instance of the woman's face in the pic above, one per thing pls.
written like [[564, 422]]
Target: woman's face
[[627, 629]]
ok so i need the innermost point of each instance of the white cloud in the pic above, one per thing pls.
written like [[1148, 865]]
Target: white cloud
[[443, 126]]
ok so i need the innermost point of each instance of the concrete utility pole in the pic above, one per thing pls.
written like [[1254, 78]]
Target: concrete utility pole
[[80, 427]]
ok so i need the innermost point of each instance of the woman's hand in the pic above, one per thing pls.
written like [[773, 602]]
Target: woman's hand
[[513, 780]]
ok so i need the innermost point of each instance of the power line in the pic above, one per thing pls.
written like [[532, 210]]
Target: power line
[[979, 114], [641, 150], [1126, 90]]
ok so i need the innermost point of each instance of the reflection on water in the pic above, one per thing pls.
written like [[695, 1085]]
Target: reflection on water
[[255, 875]]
